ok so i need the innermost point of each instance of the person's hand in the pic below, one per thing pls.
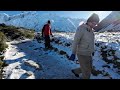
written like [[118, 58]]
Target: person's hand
[[52, 35], [72, 57], [93, 54]]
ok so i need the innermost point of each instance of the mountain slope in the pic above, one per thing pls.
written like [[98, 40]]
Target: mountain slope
[[111, 22], [29, 60], [33, 20]]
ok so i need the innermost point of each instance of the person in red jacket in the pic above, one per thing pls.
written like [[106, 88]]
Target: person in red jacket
[[46, 32]]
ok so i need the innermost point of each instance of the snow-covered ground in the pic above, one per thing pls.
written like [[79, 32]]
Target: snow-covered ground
[[44, 64], [29, 60]]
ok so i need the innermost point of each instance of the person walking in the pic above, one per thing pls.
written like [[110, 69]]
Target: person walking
[[83, 47], [46, 32]]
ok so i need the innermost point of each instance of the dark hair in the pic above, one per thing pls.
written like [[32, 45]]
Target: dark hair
[[49, 21], [93, 18]]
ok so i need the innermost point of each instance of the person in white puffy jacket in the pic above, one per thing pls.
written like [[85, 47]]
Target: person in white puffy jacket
[[83, 46]]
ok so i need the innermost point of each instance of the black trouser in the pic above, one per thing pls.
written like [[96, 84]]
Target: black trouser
[[47, 42]]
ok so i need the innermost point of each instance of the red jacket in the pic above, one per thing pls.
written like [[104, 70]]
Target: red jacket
[[46, 30]]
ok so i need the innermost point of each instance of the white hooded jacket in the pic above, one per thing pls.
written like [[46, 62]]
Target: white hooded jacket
[[83, 43]]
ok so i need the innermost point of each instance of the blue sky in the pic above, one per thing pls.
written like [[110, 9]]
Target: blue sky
[[73, 14]]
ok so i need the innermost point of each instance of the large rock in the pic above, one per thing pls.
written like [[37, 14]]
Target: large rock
[[33, 64]]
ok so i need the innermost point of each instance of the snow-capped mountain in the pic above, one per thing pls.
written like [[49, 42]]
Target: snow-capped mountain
[[34, 20], [4, 17], [111, 22], [115, 26]]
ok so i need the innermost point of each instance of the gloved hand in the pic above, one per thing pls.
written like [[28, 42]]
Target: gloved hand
[[72, 57], [52, 35], [93, 54]]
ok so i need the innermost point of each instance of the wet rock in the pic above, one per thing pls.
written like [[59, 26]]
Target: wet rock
[[62, 52], [96, 72]]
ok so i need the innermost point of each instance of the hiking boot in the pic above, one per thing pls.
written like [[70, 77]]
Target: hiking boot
[[77, 75]]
